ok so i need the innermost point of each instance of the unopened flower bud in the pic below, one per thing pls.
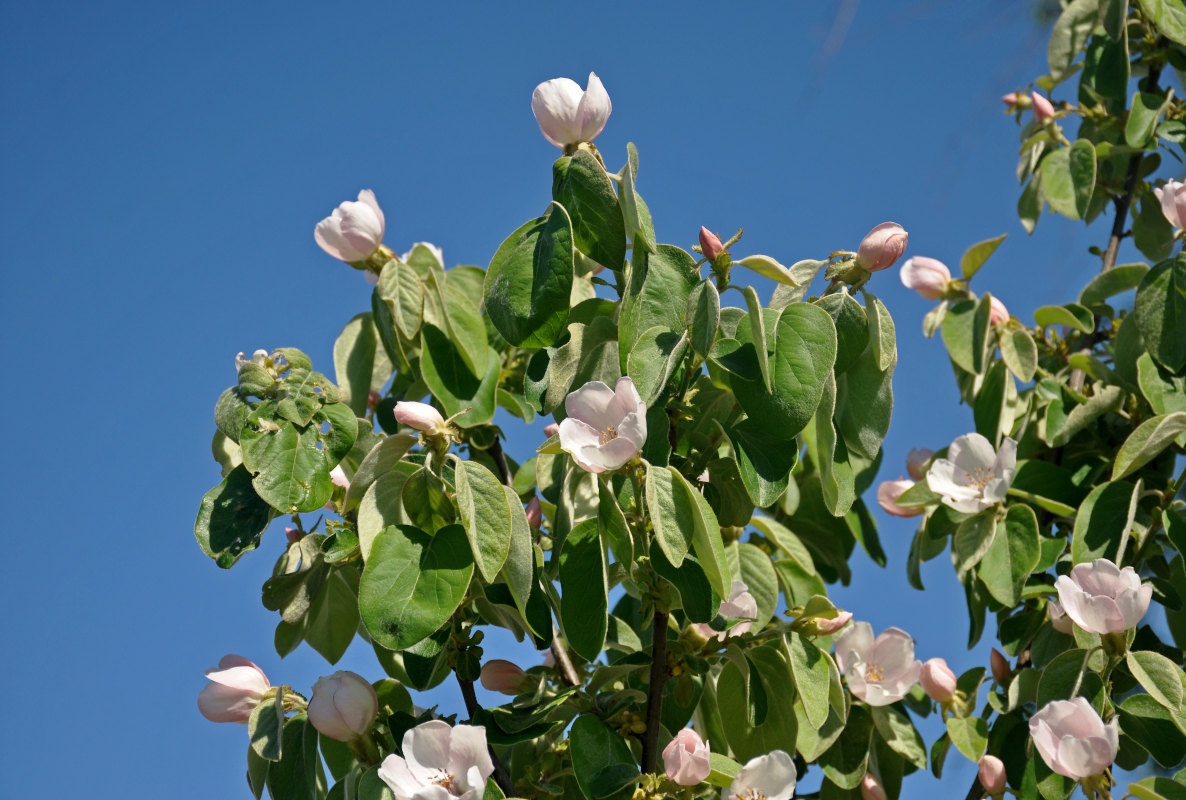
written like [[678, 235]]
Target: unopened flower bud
[[354, 232], [293, 535], [937, 680], [373, 399], [710, 244], [235, 689], [1001, 671], [992, 775], [887, 497], [535, 514], [927, 276], [871, 788], [420, 416], [686, 758], [502, 676], [916, 462], [551, 429], [882, 246], [343, 706], [826, 627], [1010, 100], [997, 312], [1043, 108], [259, 358], [568, 115], [339, 477]]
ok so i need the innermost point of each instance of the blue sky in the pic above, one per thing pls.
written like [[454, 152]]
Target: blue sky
[[161, 171]]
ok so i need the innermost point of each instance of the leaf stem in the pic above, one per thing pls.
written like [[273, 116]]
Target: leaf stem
[[658, 677], [472, 707]]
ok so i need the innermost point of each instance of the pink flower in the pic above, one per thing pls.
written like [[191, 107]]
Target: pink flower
[[916, 462], [1010, 100], [605, 427], [992, 775], [566, 114], [1101, 598], [439, 762], [1001, 671], [234, 691], [871, 788], [1059, 619], [879, 671], [686, 758], [997, 313], [338, 477], [887, 497], [502, 676], [1043, 109], [740, 605], [927, 276], [421, 417], [1172, 197], [710, 244], [535, 513], [937, 680], [343, 706], [882, 246], [1073, 740], [355, 229]]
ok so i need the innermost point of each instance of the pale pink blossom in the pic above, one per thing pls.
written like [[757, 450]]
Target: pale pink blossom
[[685, 759], [235, 689], [338, 477], [535, 512], [566, 114], [768, 777], [1043, 108], [973, 477], [871, 788], [343, 706], [740, 605], [355, 229], [504, 677], [710, 244], [1072, 739], [1172, 197], [937, 680], [927, 276], [439, 762], [1059, 619], [888, 493], [1102, 598], [882, 246], [605, 427], [997, 313], [916, 462], [992, 775], [421, 417], [879, 671]]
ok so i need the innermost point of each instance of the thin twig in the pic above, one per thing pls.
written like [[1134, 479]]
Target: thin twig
[[567, 670], [471, 707], [650, 742]]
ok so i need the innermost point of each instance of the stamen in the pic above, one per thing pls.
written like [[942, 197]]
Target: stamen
[[874, 673], [981, 476], [447, 780], [751, 794], [609, 434]]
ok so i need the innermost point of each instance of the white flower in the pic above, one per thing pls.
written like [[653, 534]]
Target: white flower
[[879, 671], [234, 691], [605, 427], [768, 777], [567, 115], [439, 762], [1073, 740], [354, 231], [259, 358], [1172, 197], [973, 477], [1101, 598], [740, 605]]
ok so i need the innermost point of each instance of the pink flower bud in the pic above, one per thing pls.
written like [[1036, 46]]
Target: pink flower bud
[[355, 229], [235, 689], [373, 399], [871, 788], [1001, 671], [1010, 99], [535, 514], [292, 534], [1102, 598], [1073, 740], [927, 276], [887, 497], [997, 312], [937, 680], [882, 246], [916, 462], [686, 758], [710, 244], [992, 775], [502, 676], [343, 706], [420, 416], [1059, 619], [551, 429], [338, 477], [826, 627], [1043, 108]]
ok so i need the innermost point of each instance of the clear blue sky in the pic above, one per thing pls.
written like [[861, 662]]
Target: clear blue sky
[[161, 170]]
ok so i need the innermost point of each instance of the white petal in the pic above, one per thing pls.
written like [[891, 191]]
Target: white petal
[[1005, 462], [555, 105], [594, 404], [395, 773], [594, 109], [971, 451], [467, 748], [575, 435], [772, 774], [945, 478], [893, 650], [426, 747], [616, 452], [852, 644]]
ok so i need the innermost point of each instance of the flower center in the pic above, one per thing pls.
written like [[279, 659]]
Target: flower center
[[980, 477], [874, 673], [445, 779], [609, 434], [751, 794]]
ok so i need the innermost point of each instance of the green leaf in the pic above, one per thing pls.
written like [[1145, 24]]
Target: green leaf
[[810, 670], [463, 323], [299, 774], [655, 357], [657, 295], [831, 456], [764, 470], [977, 254], [372, 787], [1169, 17], [580, 185], [1031, 203], [965, 332], [257, 772], [530, 277], [1104, 518], [670, 516], [1143, 114], [752, 566], [990, 409], [266, 726], [484, 511], [1068, 177], [614, 528], [900, 734], [1072, 315], [1019, 353], [1165, 393], [969, 735], [333, 617], [354, 361], [231, 518], [757, 321], [1147, 442], [704, 316], [697, 597], [601, 760], [635, 216], [402, 291], [1062, 673], [852, 327], [722, 770], [1119, 279], [1151, 725], [786, 541], [882, 336], [424, 501], [1159, 676], [767, 267], [1071, 31], [413, 583], [1106, 400], [1160, 308], [779, 730], [446, 374], [378, 462], [1151, 231], [973, 538], [1011, 556], [846, 761], [519, 569], [583, 588]]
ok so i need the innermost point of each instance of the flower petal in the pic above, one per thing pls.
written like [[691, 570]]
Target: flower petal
[[971, 451], [426, 747], [852, 644], [555, 105], [594, 404], [593, 110]]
